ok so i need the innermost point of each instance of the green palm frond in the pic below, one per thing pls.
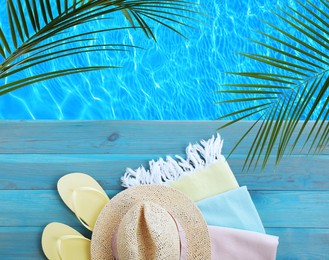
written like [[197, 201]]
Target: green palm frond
[[296, 86], [36, 28]]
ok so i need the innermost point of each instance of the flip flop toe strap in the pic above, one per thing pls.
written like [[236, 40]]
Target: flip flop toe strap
[[74, 200]]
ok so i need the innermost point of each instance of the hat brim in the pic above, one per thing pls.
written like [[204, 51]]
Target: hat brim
[[175, 202]]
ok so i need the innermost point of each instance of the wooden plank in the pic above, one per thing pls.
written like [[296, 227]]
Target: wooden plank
[[18, 243], [100, 136], [45, 169], [293, 173], [116, 137], [21, 243], [300, 209], [292, 202], [297, 243], [293, 243], [21, 208]]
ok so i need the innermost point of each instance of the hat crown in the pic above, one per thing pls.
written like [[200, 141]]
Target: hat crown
[[148, 231], [192, 228]]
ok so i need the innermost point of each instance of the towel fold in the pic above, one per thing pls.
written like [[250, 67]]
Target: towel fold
[[235, 228], [212, 180], [235, 244], [165, 171], [234, 209]]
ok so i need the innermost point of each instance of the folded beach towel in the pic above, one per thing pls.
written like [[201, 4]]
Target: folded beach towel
[[198, 157], [235, 244], [233, 209], [210, 181], [207, 179]]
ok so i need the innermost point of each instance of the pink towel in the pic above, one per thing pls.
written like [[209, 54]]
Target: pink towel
[[236, 244]]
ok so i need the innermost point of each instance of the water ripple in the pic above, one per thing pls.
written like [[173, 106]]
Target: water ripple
[[170, 79]]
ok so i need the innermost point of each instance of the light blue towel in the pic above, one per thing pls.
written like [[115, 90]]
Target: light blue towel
[[233, 209]]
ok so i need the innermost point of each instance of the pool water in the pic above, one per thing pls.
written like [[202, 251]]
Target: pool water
[[172, 78]]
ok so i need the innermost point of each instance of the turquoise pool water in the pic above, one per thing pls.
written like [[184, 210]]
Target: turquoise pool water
[[169, 79]]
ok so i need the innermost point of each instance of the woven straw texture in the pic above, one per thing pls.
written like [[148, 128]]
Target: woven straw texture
[[148, 231], [177, 205]]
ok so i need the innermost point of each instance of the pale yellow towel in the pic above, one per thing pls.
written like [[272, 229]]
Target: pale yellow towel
[[210, 181]]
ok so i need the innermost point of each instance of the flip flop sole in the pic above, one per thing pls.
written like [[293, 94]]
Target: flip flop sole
[[84, 196], [61, 242]]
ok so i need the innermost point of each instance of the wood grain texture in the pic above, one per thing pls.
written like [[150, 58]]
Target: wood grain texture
[[296, 243], [18, 243], [293, 200], [299, 209], [116, 137], [297, 173], [24, 243], [38, 207]]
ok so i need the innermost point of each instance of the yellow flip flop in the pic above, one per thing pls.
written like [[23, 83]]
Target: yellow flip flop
[[61, 242], [84, 196]]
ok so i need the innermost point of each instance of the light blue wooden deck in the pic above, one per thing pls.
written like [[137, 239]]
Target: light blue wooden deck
[[293, 202]]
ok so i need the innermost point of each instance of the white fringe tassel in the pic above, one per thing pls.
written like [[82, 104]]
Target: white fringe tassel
[[198, 156]]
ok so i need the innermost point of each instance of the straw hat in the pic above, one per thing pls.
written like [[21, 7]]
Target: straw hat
[[150, 222]]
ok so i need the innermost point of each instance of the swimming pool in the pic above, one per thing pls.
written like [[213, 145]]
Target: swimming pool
[[171, 79]]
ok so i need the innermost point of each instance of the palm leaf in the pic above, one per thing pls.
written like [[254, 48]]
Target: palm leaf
[[36, 31], [6, 88], [36, 53], [14, 19], [2, 53], [296, 40], [43, 11], [287, 54], [11, 24], [296, 87], [4, 41], [31, 62], [59, 7], [128, 17], [31, 15], [22, 19], [297, 48], [49, 9], [36, 14]]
